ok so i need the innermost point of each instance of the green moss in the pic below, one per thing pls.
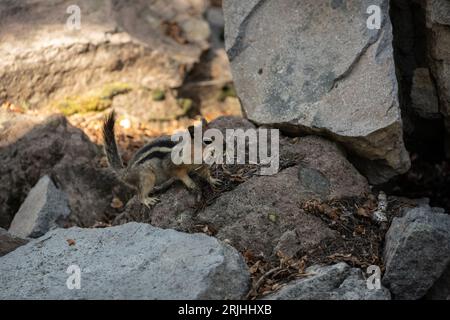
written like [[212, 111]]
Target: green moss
[[273, 217], [158, 95], [96, 100], [25, 105], [227, 91], [111, 90], [70, 106]]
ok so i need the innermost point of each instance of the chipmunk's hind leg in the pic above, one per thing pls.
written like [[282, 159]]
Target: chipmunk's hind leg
[[182, 175], [146, 184]]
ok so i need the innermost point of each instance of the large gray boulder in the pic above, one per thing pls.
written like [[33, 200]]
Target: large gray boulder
[[438, 23], [417, 251], [9, 243], [309, 67], [150, 43], [335, 282], [264, 213], [46, 207], [132, 261], [441, 288]]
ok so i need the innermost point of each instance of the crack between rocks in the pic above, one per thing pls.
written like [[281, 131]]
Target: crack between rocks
[[238, 46], [341, 281], [358, 57]]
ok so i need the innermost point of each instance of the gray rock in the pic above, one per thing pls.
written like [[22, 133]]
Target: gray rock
[[231, 122], [335, 282], [168, 109], [196, 30], [214, 15], [132, 261], [418, 202], [417, 251], [264, 213], [441, 288], [32, 148], [438, 23], [176, 210], [44, 209], [45, 60], [424, 99], [306, 67], [9, 243], [437, 11]]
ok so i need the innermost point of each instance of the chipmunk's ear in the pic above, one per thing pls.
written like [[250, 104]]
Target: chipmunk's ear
[[191, 130]]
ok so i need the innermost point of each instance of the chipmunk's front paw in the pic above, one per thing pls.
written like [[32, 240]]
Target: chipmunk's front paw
[[150, 201], [215, 182]]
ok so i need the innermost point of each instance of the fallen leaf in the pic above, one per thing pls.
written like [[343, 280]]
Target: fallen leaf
[[331, 212], [359, 229], [248, 255], [273, 217], [363, 212], [254, 268], [12, 107], [71, 242]]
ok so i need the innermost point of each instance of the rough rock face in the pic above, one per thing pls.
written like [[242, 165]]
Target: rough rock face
[[168, 109], [151, 44], [230, 122], [441, 288], [307, 78], [417, 251], [262, 214], [44, 208], [30, 149], [176, 210], [438, 23], [423, 95], [335, 282], [9, 243], [147, 263]]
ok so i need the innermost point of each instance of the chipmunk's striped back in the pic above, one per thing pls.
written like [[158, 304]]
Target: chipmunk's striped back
[[159, 148]]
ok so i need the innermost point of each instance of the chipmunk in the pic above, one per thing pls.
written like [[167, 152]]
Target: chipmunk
[[152, 165]]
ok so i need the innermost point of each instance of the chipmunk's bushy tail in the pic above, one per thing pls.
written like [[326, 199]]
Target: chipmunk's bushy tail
[[110, 145]]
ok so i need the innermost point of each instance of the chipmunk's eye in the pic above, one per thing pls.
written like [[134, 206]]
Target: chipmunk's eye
[[207, 141]]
